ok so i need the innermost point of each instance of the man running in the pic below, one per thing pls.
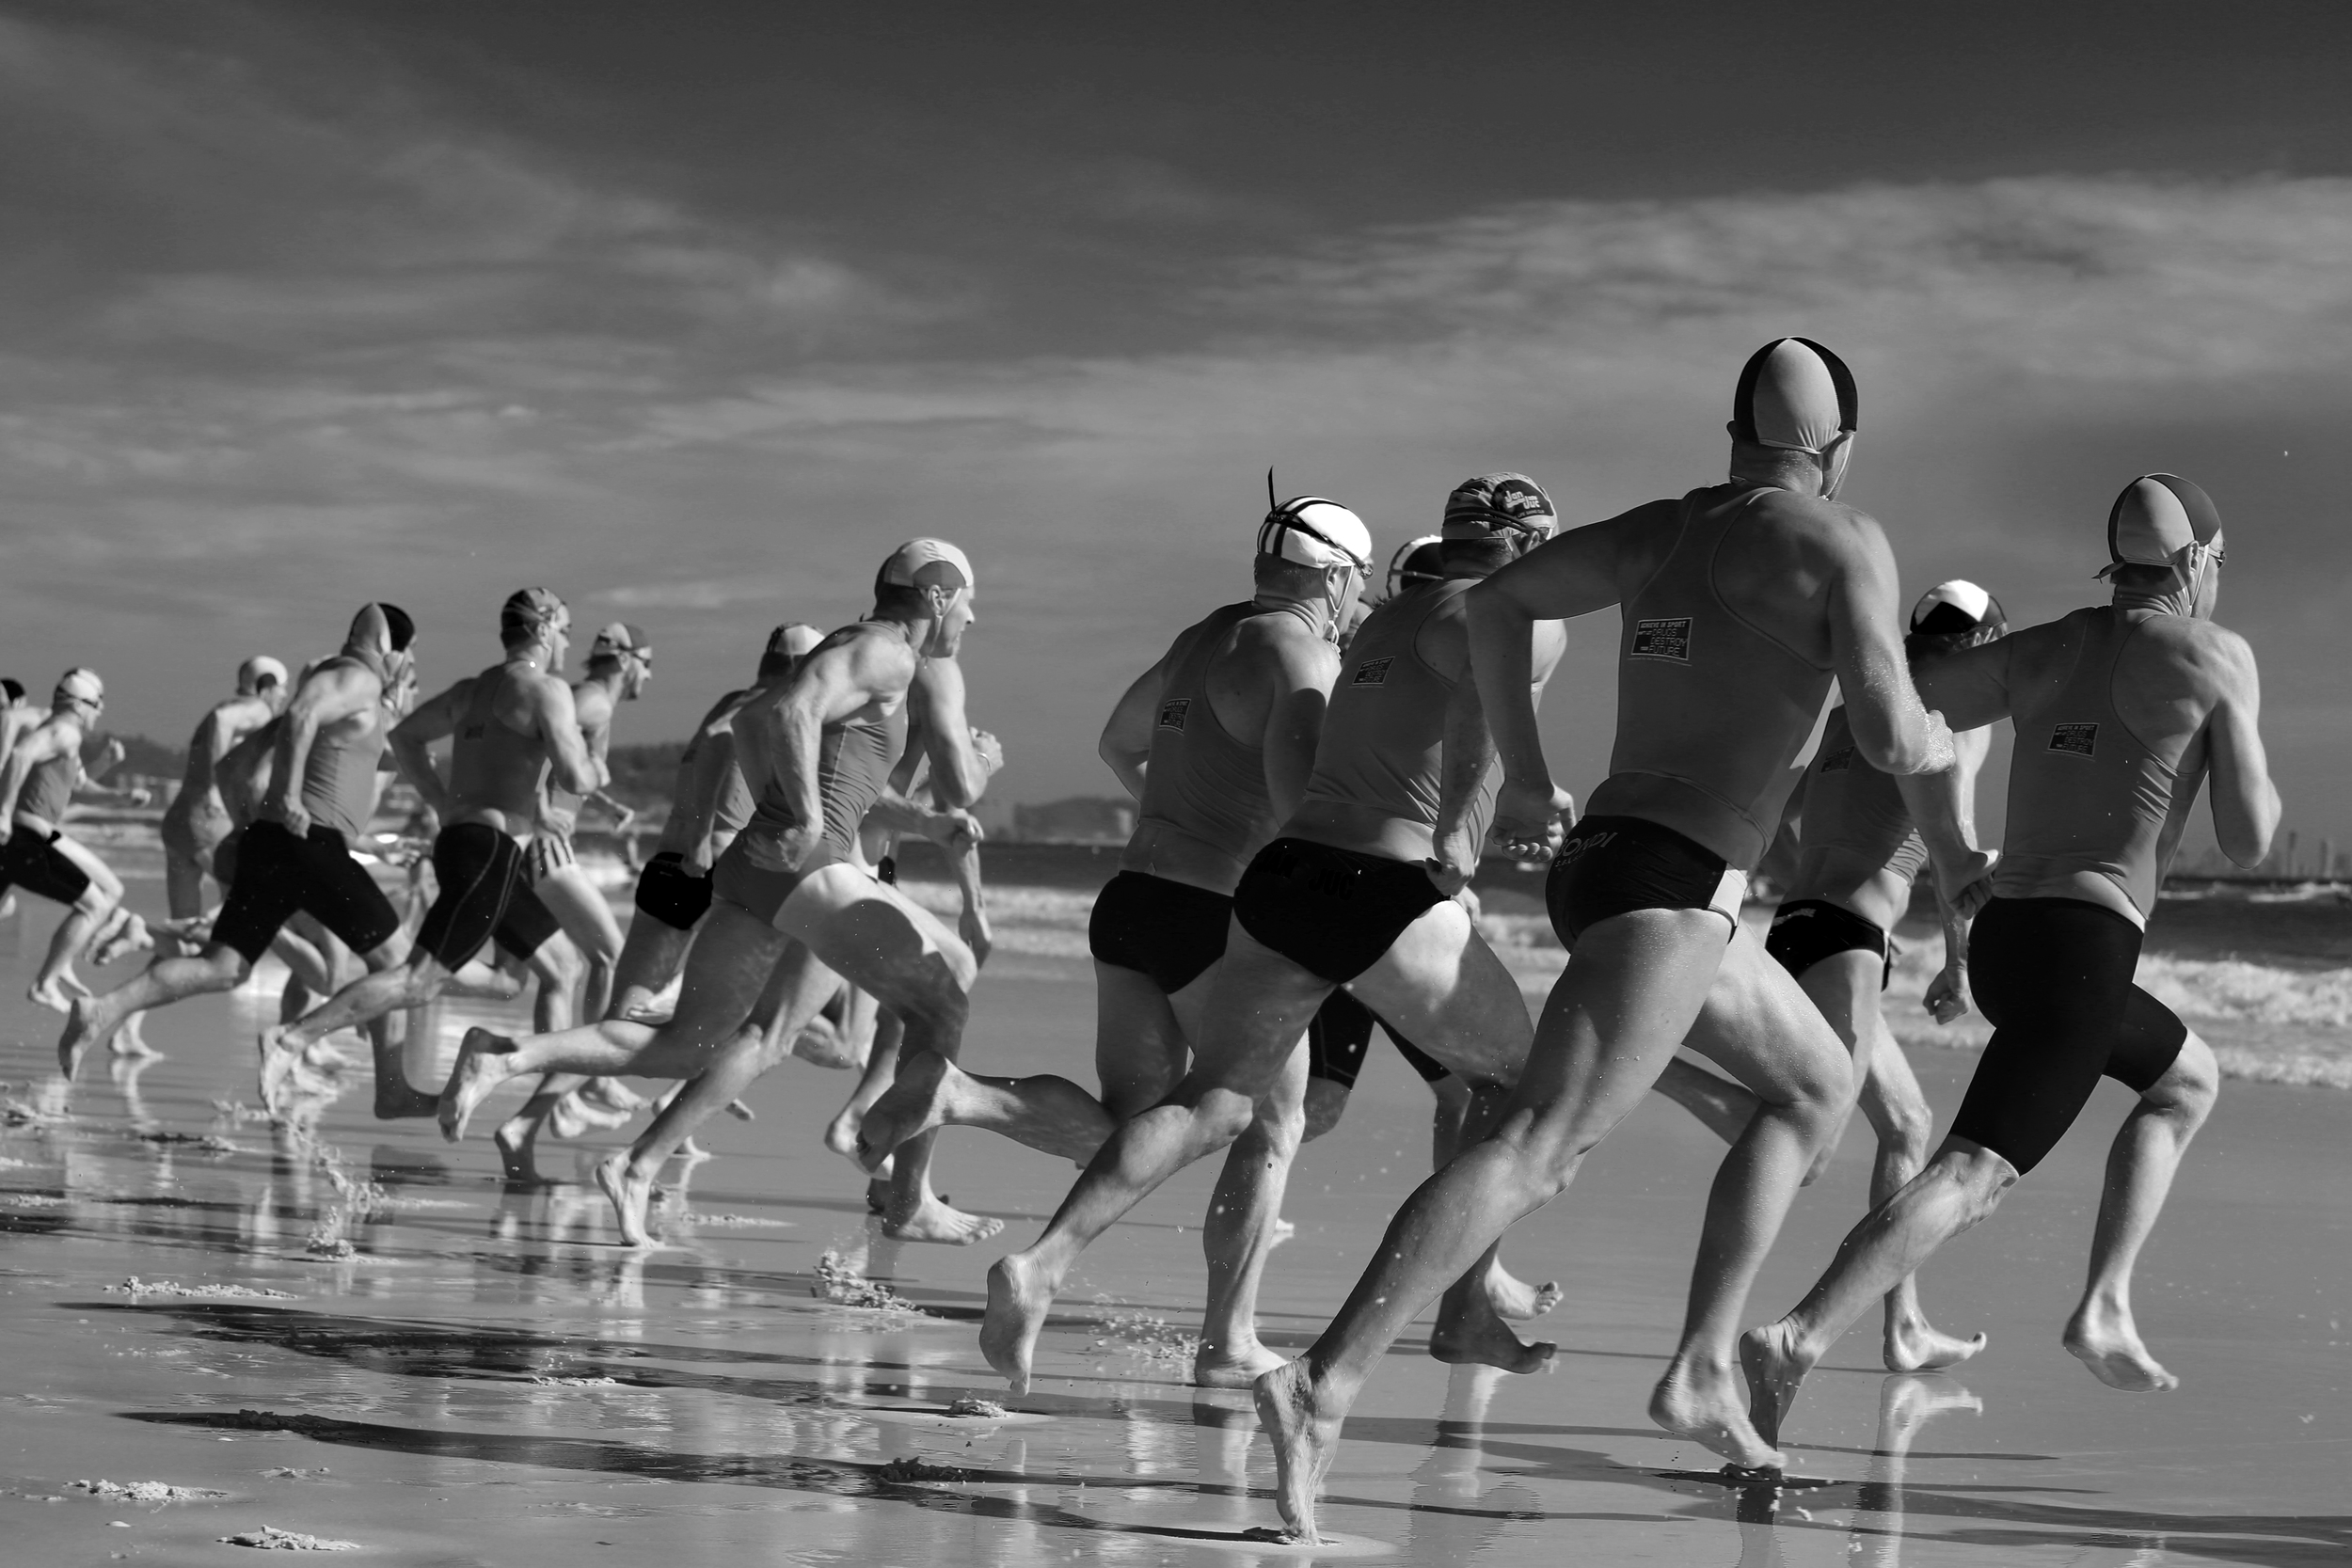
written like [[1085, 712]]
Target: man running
[[197, 820], [620, 663], [1741, 602], [513, 727], [1858, 857], [1357, 892], [296, 855], [817, 757], [39, 779], [2120, 712]]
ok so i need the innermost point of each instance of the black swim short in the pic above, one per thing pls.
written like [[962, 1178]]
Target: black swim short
[[485, 894], [667, 892], [225, 859], [2053, 975], [1340, 1035], [1806, 931], [1613, 865], [33, 861], [749, 887], [1333, 912], [1168, 931], [279, 873]]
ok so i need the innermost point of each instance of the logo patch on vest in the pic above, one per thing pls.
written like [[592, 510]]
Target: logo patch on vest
[[1838, 761], [1373, 671], [2075, 740], [1172, 712], [1664, 639]]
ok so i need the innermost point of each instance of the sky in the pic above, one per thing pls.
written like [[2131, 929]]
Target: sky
[[692, 313]]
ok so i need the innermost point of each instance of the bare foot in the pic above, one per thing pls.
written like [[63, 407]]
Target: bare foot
[[841, 1136], [397, 1099], [1234, 1369], [131, 1039], [1018, 1301], [576, 1115], [1915, 1345], [741, 1112], [821, 1045], [54, 996], [915, 1103], [131, 936], [1774, 1371], [1304, 1435], [631, 1193], [87, 1023], [480, 1067], [1469, 1333], [610, 1094], [279, 1058], [514, 1141], [2107, 1341], [933, 1219], [1708, 1405], [1514, 1299]]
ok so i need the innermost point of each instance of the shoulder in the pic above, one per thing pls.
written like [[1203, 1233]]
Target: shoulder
[[2215, 653], [1845, 532]]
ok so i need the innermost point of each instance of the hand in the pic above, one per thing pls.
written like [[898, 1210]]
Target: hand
[[110, 754], [972, 926], [140, 794], [1453, 881], [990, 751], [290, 812], [1947, 999], [955, 830], [1967, 883], [1531, 819]]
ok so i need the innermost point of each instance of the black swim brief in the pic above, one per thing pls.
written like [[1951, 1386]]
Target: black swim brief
[[278, 874], [751, 888], [1613, 865], [1340, 1036], [33, 861], [1168, 931], [1333, 912], [670, 893], [485, 894], [2053, 975], [1806, 931]]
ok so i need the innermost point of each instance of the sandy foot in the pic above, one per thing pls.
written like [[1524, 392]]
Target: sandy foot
[[1473, 1334], [1708, 1406], [478, 1071], [131, 1039], [1918, 1346], [631, 1195], [277, 1059], [54, 996], [1018, 1301], [2108, 1344], [1234, 1369], [915, 1103], [1517, 1300], [841, 1136], [934, 1219], [88, 1021], [1774, 1373], [1304, 1437]]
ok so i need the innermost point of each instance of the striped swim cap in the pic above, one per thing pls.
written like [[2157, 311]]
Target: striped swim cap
[[1479, 506], [530, 609], [1415, 563], [2158, 520], [1312, 531]]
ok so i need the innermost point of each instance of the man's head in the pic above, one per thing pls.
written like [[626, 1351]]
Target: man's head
[[1951, 616], [1313, 550], [928, 579], [81, 693], [262, 676], [535, 620], [1491, 521], [787, 646], [623, 647], [2164, 537], [1416, 561], [1793, 418], [11, 692], [384, 634]]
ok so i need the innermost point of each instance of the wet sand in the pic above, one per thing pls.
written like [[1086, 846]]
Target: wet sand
[[488, 1378]]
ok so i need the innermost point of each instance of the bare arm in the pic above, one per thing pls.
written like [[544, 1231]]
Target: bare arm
[[569, 765], [1126, 743], [412, 739], [936, 700], [1891, 727], [777, 737], [330, 695], [2245, 801], [1305, 668]]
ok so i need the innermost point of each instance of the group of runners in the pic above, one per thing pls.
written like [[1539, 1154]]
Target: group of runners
[[1316, 785]]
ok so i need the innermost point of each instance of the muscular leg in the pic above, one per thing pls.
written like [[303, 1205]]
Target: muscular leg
[[588, 920], [1238, 1233], [2140, 1165], [875, 1079], [53, 987], [1898, 1113], [93, 1020], [650, 958], [183, 884]]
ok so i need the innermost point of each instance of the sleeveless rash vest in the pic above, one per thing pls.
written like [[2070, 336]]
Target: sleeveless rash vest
[[854, 757], [339, 775], [2086, 794], [487, 754], [1383, 734], [1853, 807], [1708, 703], [1202, 783]]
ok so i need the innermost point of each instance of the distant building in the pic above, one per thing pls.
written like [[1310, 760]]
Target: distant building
[[1080, 819]]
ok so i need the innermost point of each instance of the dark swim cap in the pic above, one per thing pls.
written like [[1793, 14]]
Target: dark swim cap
[[1492, 502], [1416, 561], [15, 688], [2159, 520], [1796, 395]]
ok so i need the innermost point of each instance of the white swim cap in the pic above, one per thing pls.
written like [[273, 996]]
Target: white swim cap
[[2161, 520], [1796, 395], [1955, 608], [1314, 532], [1415, 563], [82, 684], [256, 670], [926, 563]]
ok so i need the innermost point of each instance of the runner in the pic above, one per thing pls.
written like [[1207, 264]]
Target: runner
[[39, 779], [620, 663], [1741, 602], [2120, 712], [512, 723], [816, 756], [1356, 892], [1858, 857], [295, 856], [196, 821]]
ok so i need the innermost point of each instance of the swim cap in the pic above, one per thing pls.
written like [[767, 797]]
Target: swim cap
[[1796, 395], [1314, 532], [83, 683], [621, 638], [1954, 609], [15, 688], [1480, 506], [254, 670], [2159, 520], [1415, 563], [793, 639], [527, 609], [925, 563]]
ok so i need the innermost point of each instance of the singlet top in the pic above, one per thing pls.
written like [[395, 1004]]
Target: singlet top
[[1383, 744], [48, 788], [2085, 794], [339, 775], [719, 779], [492, 765], [196, 779], [1707, 702], [1853, 807], [854, 758], [1203, 783]]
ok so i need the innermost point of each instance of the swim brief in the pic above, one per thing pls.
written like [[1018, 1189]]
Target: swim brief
[[749, 887], [1613, 865], [1340, 1035], [2053, 975], [1168, 931], [483, 895], [33, 861], [1806, 931], [279, 873], [1333, 912], [671, 894]]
